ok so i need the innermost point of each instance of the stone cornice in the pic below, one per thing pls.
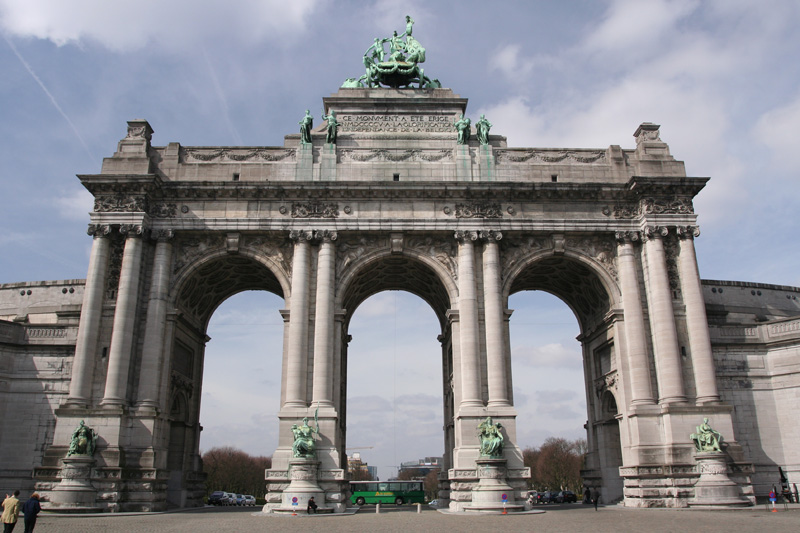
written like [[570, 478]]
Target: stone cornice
[[666, 186]]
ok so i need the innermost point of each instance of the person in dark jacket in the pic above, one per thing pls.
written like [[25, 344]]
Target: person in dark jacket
[[30, 509], [312, 506]]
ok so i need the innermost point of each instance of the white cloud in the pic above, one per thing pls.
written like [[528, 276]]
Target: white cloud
[[632, 28], [75, 206], [554, 355], [177, 24], [777, 129]]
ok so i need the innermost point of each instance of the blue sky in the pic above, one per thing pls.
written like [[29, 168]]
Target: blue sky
[[721, 77]]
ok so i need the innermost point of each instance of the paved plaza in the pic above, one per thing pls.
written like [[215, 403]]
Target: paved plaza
[[561, 518]]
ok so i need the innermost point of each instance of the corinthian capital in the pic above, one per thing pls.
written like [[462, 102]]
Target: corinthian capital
[[301, 235], [655, 232], [98, 230], [463, 236], [688, 232], [131, 230], [490, 235], [162, 234], [627, 237], [326, 235]]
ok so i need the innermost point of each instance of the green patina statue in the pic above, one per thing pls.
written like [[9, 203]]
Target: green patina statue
[[305, 128], [83, 441], [333, 127], [706, 439], [491, 438], [400, 68], [463, 128], [304, 445], [482, 129]]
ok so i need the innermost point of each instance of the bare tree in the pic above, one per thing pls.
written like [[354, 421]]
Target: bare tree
[[556, 464], [233, 470]]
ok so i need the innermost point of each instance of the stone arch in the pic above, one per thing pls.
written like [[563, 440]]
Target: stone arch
[[353, 288], [227, 274], [589, 288], [584, 285]]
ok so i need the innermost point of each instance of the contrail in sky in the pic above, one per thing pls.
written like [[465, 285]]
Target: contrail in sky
[[222, 99], [50, 96]]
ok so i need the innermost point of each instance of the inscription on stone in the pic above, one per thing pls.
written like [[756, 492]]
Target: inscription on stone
[[396, 123]]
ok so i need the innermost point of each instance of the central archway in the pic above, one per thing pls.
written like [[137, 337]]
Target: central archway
[[398, 272]]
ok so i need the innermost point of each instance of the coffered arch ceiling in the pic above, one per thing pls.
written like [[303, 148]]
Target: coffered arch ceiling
[[396, 273], [220, 278], [575, 283]]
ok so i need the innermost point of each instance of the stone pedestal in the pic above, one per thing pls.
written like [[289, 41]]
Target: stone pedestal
[[463, 163], [327, 163], [714, 488], [305, 162], [487, 496], [75, 492], [302, 486], [486, 163]]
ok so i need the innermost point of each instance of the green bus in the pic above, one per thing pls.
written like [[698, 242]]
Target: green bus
[[398, 492]]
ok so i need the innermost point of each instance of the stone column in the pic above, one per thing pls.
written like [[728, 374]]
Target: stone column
[[662, 319], [120, 351], [324, 324], [696, 320], [468, 321], [635, 338], [155, 326], [496, 354], [80, 388], [298, 322]]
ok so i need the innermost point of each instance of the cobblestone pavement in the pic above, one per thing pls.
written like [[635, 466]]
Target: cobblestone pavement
[[563, 518]]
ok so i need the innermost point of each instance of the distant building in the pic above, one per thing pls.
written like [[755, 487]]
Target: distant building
[[359, 470], [421, 467]]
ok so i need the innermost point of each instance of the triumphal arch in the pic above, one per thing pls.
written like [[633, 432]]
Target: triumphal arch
[[398, 190]]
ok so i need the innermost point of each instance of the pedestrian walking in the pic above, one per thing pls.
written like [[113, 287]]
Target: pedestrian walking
[[595, 497], [30, 509], [10, 512]]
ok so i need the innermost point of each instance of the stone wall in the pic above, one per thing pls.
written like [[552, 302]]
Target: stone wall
[[38, 328], [755, 333]]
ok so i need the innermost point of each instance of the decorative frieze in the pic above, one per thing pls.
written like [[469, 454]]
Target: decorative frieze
[[205, 155], [666, 206], [163, 210], [394, 156], [120, 203], [315, 210], [479, 210], [541, 156]]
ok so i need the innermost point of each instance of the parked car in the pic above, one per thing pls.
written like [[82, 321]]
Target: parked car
[[549, 496], [535, 496], [433, 503], [249, 499], [566, 496], [218, 497], [230, 498]]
